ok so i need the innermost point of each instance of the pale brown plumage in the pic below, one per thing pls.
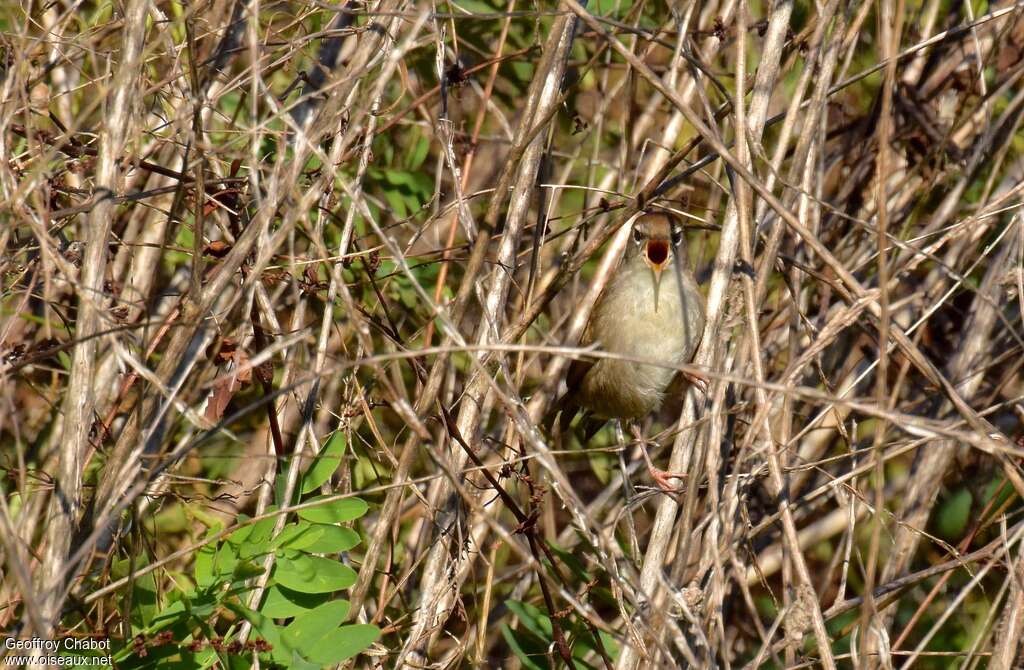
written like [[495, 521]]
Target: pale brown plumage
[[651, 308]]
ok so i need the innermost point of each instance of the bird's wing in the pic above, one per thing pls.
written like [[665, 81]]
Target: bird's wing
[[578, 369], [566, 405]]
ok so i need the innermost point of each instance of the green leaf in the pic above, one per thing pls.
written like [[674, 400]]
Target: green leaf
[[299, 663], [266, 629], [474, 6], [610, 645], [313, 574], [333, 539], [234, 662], [204, 565], [953, 515], [529, 653], [342, 643], [583, 642], [145, 603], [532, 618], [325, 464], [298, 536], [169, 521], [424, 186], [613, 8], [571, 561], [522, 70], [396, 203], [336, 511], [200, 605], [170, 615], [245, 570], [419, 154], [536, 629], [226, 560], [408, 298], [242, 534], [281, 483], [282, 603], [257, 542], [412, 203], [308, 628], [399, 178]]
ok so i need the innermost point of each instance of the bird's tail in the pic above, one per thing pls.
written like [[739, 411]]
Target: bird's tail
[[562, 412], [559, 418]]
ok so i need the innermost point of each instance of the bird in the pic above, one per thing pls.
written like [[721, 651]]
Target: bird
[[651, 308]]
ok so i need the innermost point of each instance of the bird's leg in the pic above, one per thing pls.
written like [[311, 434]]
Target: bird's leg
[[620, 438], [659, 476], [627, 488]]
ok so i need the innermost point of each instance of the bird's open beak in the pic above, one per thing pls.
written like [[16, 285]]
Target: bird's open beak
[[656, 254]]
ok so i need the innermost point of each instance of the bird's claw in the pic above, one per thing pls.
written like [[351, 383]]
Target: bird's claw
[[659, 476], [662, 477]]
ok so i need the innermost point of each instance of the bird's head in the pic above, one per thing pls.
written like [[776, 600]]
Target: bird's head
[[656, 238]]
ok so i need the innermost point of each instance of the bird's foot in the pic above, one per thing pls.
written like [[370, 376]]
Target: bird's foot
[[662, 477]]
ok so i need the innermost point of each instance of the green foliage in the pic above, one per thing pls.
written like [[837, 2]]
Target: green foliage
[[532, 640], [325, 464], [611, 8], [299, 623], [953, 515], [312, 574], [406, 191], [333, 511]]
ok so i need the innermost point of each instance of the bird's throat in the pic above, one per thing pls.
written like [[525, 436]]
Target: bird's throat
[[656, 278]]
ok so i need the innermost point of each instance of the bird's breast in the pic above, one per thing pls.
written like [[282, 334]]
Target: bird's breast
[[626, 322]]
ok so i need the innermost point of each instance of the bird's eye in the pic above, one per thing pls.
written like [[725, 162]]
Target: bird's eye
[[677, 236], [637, 235]]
